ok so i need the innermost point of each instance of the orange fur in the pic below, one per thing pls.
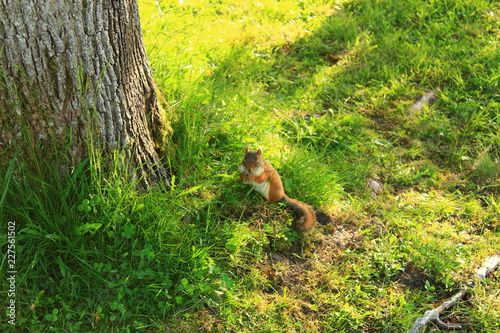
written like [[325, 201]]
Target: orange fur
[[266, 180]]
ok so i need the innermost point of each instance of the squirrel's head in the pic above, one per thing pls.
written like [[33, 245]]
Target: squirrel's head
[[252, 161]]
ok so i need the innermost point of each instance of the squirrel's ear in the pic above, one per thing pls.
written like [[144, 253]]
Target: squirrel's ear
[[246, 150], [259, 151]]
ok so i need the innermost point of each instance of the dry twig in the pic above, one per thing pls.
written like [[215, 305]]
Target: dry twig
[[488, 266]]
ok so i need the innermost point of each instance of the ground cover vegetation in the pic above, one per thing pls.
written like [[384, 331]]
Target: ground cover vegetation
[[330, 90]]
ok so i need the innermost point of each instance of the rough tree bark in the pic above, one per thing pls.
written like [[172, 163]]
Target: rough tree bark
[[74, 71]]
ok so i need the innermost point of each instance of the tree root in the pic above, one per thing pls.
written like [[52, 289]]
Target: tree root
[[489, 265]]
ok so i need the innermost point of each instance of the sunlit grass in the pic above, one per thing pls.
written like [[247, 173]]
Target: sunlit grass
[[325, 87]]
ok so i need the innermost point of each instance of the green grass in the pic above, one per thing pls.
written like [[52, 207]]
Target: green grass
[[325, 88]]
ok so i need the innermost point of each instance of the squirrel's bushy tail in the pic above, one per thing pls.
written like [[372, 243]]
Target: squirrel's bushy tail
[[305, 218]]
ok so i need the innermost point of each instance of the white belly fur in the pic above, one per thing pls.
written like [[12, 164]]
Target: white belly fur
[[262, 188]]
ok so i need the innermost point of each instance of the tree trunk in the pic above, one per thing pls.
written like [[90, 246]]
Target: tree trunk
[[76, 71]]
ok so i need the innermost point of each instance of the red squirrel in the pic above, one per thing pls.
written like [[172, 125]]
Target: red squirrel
[[266, 180]]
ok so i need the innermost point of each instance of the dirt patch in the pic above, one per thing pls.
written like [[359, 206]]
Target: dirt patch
[[336, 239], [413, 277], [297, 272]]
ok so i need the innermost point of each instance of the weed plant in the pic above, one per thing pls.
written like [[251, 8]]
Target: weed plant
[[326, 88]]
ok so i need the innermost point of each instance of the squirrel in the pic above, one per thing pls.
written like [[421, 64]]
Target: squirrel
[[266, 180]]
